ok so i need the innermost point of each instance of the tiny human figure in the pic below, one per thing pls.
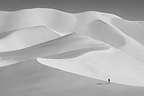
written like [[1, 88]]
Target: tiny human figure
[[108, 80]]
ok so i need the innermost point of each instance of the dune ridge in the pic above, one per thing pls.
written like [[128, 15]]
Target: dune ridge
[[92, 44]]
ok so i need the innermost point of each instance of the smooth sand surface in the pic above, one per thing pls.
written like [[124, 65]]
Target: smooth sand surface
[[93, 44], [30, 78]]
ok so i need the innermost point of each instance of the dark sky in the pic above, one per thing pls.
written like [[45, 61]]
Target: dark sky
[[129, 9]]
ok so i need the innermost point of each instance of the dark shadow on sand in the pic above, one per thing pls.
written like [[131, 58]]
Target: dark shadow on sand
[[102, 83]]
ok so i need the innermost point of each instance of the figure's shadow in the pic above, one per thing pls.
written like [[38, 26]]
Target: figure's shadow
[[103, 83]]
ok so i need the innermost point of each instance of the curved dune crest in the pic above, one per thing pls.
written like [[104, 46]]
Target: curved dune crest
[[93, 44], [67, 43]]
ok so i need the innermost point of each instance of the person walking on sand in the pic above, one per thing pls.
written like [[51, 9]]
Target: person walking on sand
[[108, 80]]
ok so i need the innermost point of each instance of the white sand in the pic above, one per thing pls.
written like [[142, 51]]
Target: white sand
[[92, 44]]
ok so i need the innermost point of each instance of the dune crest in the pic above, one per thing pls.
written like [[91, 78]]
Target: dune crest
[[92, 44]]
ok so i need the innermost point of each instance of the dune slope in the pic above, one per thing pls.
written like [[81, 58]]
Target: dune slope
[[30, 78], [92, 44]]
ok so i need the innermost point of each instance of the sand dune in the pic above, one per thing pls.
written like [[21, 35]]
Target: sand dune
[[67, 43], [92, 44], [30, 78]]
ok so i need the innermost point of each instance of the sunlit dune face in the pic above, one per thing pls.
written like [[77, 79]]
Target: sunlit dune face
[[54, 19], [26, 37], [34, 79]]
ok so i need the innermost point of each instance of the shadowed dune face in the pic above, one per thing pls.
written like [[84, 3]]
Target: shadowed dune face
[[72, 54], [133, 29], [61, 39], [99, 30]]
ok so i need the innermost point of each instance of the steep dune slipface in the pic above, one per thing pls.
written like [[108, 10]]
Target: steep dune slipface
[[134, 31], [92, 44], [97, 30], [99, 22]]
